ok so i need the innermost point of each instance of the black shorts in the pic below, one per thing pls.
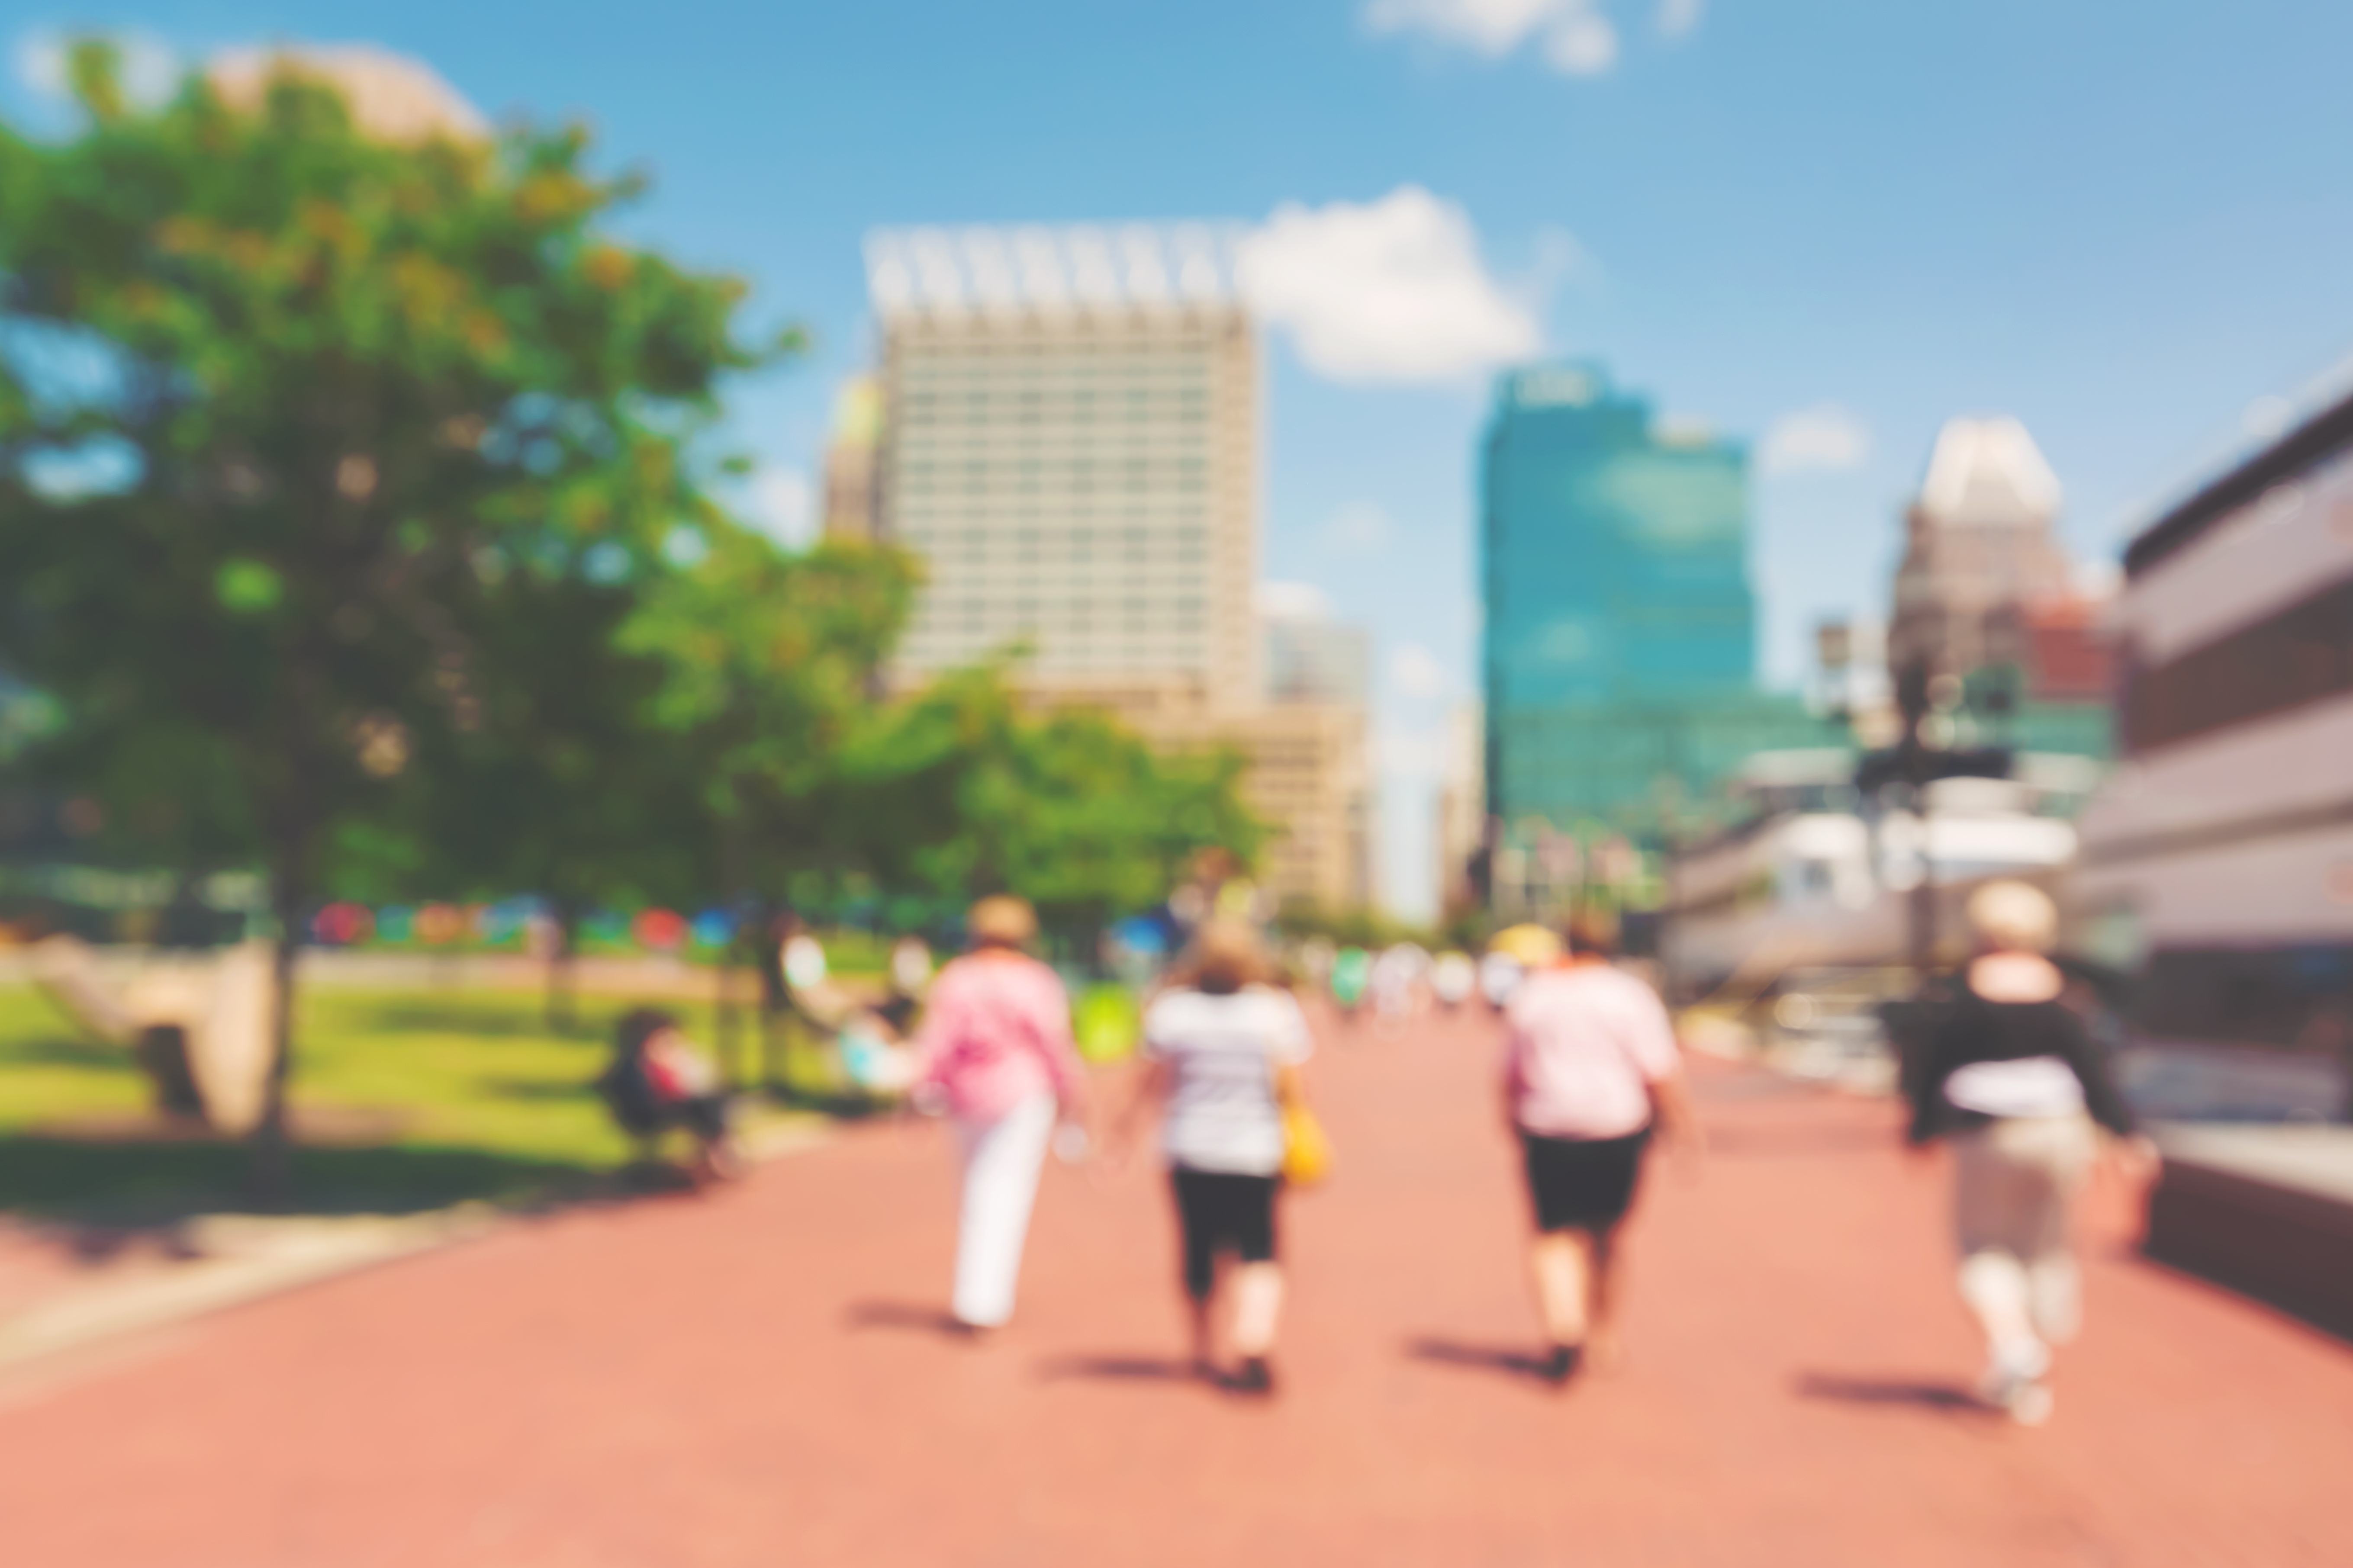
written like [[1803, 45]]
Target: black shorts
[[1581, 1183], [1218, 1211]]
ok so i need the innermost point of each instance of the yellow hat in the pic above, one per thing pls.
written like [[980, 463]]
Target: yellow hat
[[1530, 946]]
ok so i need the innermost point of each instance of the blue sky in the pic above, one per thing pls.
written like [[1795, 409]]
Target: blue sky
[[2125, 223]]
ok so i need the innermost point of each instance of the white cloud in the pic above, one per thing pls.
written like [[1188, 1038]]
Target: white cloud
[[150, 67], [1293, 602], [1360, 528], [1416, 672], [1576, 37], [1582, 43], [1680, 19], [1391, 291], [1823, 438], [782, 506]]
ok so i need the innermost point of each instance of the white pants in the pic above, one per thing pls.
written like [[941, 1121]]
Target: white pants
[[2014, 1188], [1001, 1159]]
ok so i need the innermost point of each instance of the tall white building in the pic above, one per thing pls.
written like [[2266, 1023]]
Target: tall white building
[[1978, 547], [1071, 443]]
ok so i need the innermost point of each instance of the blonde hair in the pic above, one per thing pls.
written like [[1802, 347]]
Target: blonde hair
[[2013, 917], [1225, 957], [1001, 921]]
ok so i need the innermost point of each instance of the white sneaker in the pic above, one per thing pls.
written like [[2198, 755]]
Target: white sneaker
[[2029, 1404]]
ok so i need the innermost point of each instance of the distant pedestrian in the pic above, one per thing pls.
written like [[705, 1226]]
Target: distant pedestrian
[[1591, 1069], [2009, 1076], [1453, 978], [1395, 983], [996, 1044], [1221, 1054], [1352, 970]]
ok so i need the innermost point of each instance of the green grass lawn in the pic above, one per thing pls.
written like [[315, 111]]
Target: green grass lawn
[[421, 1098]]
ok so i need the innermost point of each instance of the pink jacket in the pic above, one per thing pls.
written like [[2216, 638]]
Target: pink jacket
[[997, 1030]]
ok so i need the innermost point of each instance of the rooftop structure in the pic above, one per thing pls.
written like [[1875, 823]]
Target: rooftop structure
[[1041, 267], [1979, 549]]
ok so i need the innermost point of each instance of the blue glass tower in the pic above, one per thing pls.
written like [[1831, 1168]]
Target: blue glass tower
[[1619, 655]]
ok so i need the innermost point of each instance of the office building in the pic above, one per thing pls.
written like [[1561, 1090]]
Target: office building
[[853, 493], [1307, 774], [1978, 546], [1070, 442], [1461, 811], [1305, 655], [2218, 860], [1620, 655], [1985, 593]]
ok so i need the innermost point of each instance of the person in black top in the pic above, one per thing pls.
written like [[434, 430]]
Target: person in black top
[[2008, 1076]]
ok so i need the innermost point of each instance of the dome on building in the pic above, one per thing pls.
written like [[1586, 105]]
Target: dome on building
[[392, 97]]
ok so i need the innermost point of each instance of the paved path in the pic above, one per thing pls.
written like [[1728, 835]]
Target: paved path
[[750, 1380]]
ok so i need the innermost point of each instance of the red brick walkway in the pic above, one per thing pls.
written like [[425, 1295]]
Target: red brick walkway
[[747, 1381]]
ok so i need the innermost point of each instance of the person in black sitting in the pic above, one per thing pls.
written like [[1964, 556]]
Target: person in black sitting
[[657, 1080], [2007, 1075]]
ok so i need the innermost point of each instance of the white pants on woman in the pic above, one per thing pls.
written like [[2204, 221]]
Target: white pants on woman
[[2014, 1189], [1001, 1160]]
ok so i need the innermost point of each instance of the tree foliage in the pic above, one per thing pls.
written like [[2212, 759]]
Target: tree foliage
[[294, 420], [355, 522]]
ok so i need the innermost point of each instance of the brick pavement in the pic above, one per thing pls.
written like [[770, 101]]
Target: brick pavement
[[749, 1380]]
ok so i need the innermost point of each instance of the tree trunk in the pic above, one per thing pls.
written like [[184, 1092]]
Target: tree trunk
[[270, 1171], [562, 1013]]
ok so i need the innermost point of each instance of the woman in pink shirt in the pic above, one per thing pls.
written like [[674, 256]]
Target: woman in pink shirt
[[1590, 1068], [996, 1044]]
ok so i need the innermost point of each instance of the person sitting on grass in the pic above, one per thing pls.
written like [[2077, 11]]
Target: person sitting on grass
[[658, 1081]]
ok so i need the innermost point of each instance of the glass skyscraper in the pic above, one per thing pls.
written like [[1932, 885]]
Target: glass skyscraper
[[1620, 655]]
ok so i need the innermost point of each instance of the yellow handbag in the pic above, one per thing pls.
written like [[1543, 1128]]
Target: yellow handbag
[[1306, 1152]]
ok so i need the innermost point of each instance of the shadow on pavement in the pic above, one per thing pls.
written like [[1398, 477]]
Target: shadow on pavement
[[1921, 1394], [1480, 1358], [1119, 1369], [148, 1180], [920, 1317]]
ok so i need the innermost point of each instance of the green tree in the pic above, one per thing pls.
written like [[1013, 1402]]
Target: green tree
[[290, 418], [1068, 809]]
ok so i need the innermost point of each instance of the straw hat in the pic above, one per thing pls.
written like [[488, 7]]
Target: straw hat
[[1529, 946], [1002, 919]]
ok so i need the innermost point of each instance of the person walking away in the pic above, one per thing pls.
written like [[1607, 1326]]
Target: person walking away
[[1222, 1051], [1590, 1069], [2010, 1078], [995, 1046]]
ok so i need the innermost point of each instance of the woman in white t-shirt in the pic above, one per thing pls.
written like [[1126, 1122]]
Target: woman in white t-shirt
[[1222, 1055]]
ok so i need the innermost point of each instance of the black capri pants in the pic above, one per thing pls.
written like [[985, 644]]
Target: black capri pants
[[1221, 1211], [1581, 1183]]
